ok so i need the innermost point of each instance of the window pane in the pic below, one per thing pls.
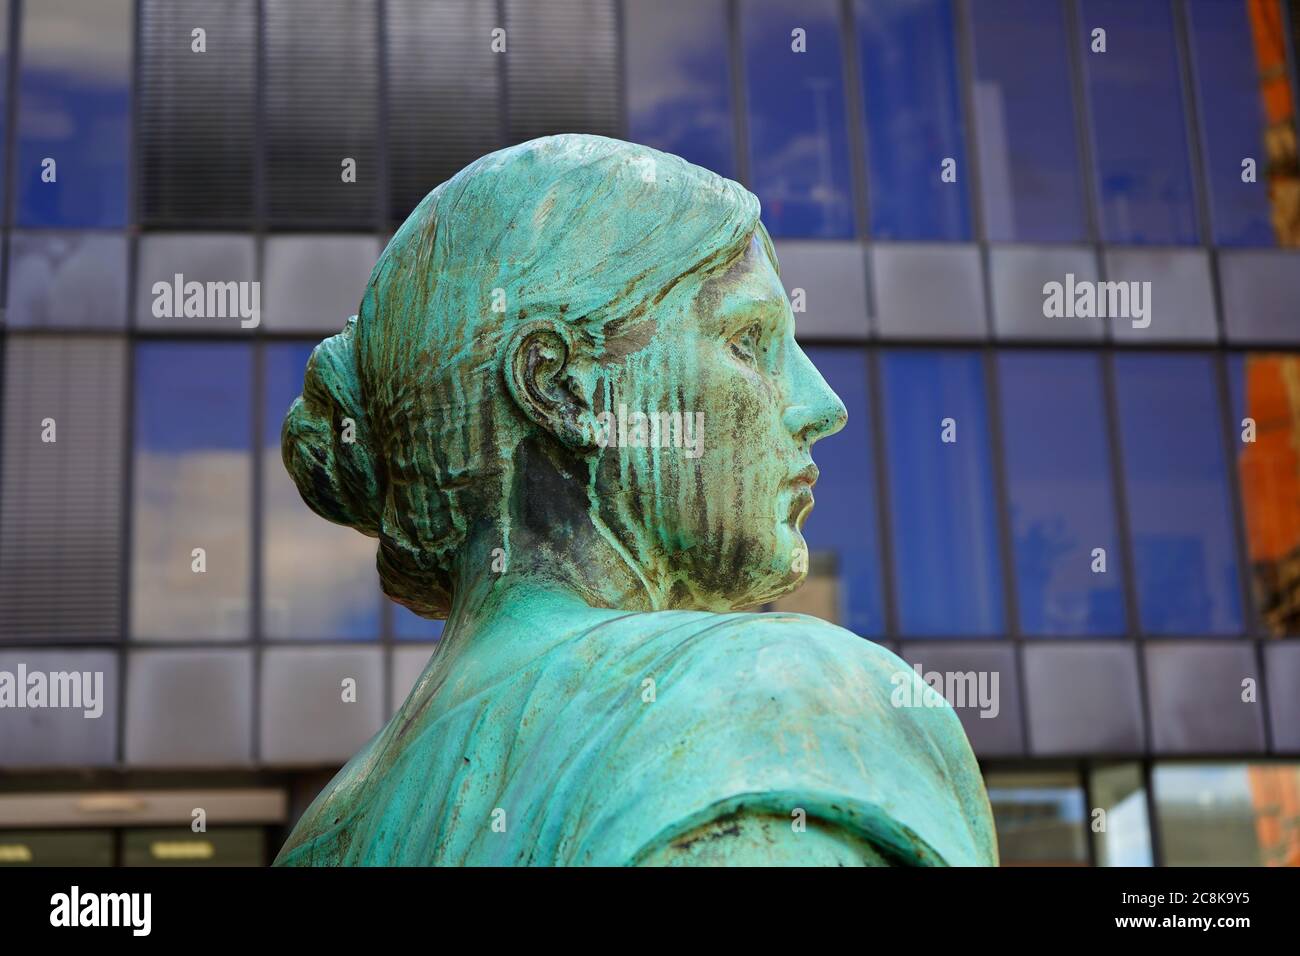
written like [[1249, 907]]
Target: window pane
[[63, 737], [1126, 838], [196, 165], [305, 720], [321, 106], [842, 536], [193, 437], [179, 846], [67, 278], [1039, 818], [313, 283], [443, 85], [799, 152], [1060, 494], [56, 848], [942, 501], [5, 53], [1136, 108], [1266, 389], [189, 708], [1239, 52], [1177, 491], [74, 108], [61, 501], [319, 577], [1229, 814], [1024, 114], [678, 92], [561, 68], [913, 108]]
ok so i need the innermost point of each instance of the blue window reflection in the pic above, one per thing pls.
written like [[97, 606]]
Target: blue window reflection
[[193, 490], [1060, 494], [1024, 113], [1176, 482], [914, 119], [319, 578], [74, 108], [409, 626], [678, 84], [943, 505], [843, 523], [799, 154], [1230, 91], [1136, 107]]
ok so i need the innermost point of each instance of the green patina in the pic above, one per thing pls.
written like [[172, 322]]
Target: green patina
[[599, 695]]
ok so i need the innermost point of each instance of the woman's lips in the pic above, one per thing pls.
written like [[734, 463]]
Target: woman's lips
[[801, 502], [801, 496]]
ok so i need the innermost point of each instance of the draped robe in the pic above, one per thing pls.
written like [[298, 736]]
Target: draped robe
[[631, 733]]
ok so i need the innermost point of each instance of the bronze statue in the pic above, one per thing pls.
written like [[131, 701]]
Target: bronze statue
[[573, 412]]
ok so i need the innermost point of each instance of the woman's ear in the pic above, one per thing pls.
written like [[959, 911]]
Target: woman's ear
[[539, 369]]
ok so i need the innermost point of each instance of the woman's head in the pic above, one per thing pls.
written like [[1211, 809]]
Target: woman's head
[[610, 308]]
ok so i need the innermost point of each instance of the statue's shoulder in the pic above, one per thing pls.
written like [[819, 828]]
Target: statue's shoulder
[[770, 714], [792, 655]]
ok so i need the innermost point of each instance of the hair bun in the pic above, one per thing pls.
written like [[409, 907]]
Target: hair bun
[[332, 464]]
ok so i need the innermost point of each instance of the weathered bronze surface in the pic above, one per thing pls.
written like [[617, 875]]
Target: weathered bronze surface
[[573, 412]]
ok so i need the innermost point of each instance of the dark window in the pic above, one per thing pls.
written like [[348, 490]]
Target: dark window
[[56, 848], [60, 527], [562, 72], [942, 500], [678, 84], [1025, 119], [1040, 818], [1171, 430], [1139, 127], [1060, 494], [912, 98], [196, 113], [798, 144], [322, 106], [180, 846], [444, 92]]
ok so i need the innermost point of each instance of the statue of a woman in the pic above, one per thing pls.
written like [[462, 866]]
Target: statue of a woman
[[573, 412]]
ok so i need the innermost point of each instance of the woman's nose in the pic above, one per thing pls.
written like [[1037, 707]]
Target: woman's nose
[[815, 411]]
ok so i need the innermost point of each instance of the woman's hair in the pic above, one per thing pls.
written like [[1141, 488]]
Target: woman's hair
[[396, 432]]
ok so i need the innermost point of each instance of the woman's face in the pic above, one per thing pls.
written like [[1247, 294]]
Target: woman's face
[[706, 471]]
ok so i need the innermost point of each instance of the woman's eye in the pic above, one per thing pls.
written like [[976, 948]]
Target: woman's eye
[[745, 345]]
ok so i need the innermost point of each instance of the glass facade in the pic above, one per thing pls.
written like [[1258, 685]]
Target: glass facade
[[1103, 515], [1069, 566], [798, 127], [911, 95], [1132, 69], [1025, 123]]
